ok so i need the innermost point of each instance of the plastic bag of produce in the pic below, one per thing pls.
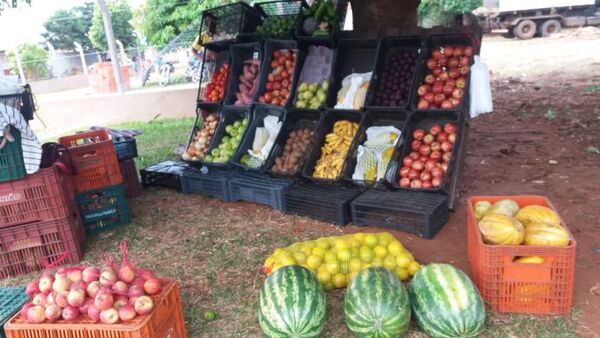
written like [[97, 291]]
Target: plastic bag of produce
[[354, 91], [481, 91], [264, 139], [335, 260], [373, 157]]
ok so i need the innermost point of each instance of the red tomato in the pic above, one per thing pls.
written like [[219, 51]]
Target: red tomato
[[274, 64]]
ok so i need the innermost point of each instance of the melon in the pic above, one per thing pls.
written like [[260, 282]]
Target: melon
[[445, 302], [498, 229], [537, 214], [377, 305], [292, 304], [546, 234]]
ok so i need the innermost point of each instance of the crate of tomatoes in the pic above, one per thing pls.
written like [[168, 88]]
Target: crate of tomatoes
[[283, 61], [214, 75]]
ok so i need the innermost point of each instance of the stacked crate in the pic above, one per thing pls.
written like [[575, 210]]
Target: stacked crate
[[126, 149], [98, 180]]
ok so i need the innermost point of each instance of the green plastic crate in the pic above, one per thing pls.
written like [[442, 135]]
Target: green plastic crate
[[12, 166], [103, 209], [11, 301]]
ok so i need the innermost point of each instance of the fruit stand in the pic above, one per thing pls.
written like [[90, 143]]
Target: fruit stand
[[297, 114]]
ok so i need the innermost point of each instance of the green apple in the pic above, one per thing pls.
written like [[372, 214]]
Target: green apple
[[215, 152], [225, 139], [208, 158], [308, 95], [237, 124], [228, 129], [245, 121], [325, 85], [313, 88], [303, 87], [301, 104]]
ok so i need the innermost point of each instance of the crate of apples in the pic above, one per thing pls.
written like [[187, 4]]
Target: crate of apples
[[445, 84], [427, 163], [215, 89], [279, 81]]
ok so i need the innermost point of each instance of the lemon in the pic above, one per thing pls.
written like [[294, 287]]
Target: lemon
[[385, 238], [413, 268], [365, 253], [377, 262], [286, 260], [344, 268], [389, 262], [270, 261], [330, 256], [354, 252], [341, 244], [395, 248], [367, 265], [300, 257], [328, 287], [307, 249], [295, 247], [323, 243], [333, 267], [353, 243], [403, 260], [313, 262], [370, 240], [323, 276], [278, 252], [344, 255], [359, 236], [339, 280], [355, 265], [402, 274], [380, 251], [318, 251]]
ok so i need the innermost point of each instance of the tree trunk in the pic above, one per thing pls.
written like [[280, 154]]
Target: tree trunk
[[385, 17]]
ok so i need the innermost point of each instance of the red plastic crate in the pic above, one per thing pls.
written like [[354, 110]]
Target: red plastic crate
[[165, 321], [47, 194], [94, 159], [30, 247], [131, 180], [508, 286]]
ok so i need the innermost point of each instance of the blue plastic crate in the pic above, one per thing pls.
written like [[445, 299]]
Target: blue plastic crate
[[213, 183], [259, 189], [11, 301], [126, 148]]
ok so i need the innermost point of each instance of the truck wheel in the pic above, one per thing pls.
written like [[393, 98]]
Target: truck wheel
[[525, 29], [550, 27]]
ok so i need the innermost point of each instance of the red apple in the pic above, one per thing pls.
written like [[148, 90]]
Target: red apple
[[109, 316], [458, 93], [25, 310], [448, 90], [452, 138], [429, 79], [61, 283], [443, 61], [53, 312], [404, 171], [453, 74], [429, 97], [437, 89], [428, 139], [446, 146], [437, 71], [429, 165], [445, 167], [70, 313], [405, 182], [446, 157], [436, 54], [465, 61], [50, 298], [126, 274], [464, 70], [127, 312], [436, 146], [138, 290], [446, 104], [40, 299], [76, 297], [441, 137], [143, 305], [423, 89], [468, 51], [444, 76], [36, 314], [92, 288], [407, 161], [78, 285], [450, 128], [152, 286], [448, 50], [453, 62], [83, 309], [412, 174], [93, 313], [417, 184], [451, 83], [437, 172], [74, 275], [423, 104], [435, 129], [436, 182], [455, 102], [417, 165], [120, 301], [418, 134], [46, 283], [61, 298], [33, 288], [431, 63], [414, 155], [425, 150], [439, 98], [461, 83], [426, 184], [436, 155], [103, 301], [425, 176], [415, 145], [108, 277], [120, 288], [423, 159], [458, 51]]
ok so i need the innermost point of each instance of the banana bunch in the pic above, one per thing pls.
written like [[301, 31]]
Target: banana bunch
[[333, 153]]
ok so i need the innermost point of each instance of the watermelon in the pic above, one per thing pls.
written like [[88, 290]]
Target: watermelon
[[377, 304], [292, 304], [446, 303]]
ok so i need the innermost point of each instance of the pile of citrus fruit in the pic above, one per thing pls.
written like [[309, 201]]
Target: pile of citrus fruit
[[335, 260]]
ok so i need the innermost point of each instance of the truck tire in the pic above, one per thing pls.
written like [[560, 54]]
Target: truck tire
[[525, 30], [550, 27]]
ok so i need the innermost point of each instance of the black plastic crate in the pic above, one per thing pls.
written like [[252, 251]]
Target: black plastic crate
[[21, 102], [306, 75], [126, 148], [398, 119], [326, 127], [270, 47], [213, 183], [351, 56], [327, 204], [405, 48], [240, 53], [212, 62], [225, 23], [258, 116], [166, 174], [277, 10], [202, 112], [259, 189], [340, 9], [418, 213], [425, 120], [431, 43], [454, 188], [229, 115], [295, 119]]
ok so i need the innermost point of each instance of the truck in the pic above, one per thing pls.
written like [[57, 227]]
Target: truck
[[526, 19]]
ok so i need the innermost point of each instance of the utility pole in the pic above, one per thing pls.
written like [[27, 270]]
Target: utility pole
[[110, 40]]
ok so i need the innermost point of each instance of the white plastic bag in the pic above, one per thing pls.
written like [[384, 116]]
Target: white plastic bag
[[353, 92], [272, 125], [480, 89]]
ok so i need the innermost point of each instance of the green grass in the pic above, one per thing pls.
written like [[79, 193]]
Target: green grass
[[215, 250]]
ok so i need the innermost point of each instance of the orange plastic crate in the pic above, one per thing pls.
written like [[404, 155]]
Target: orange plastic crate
[[47, 194], [508, 286], [166, 320], [94, 159]]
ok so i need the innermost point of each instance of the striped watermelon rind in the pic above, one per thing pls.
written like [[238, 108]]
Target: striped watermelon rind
[[377, 305], [292, 304], [445, 302]]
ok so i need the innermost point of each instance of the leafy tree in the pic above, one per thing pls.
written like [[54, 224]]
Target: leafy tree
[[34, 60], [12, 3], [162, 20], [67, 26], [121, 16]]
